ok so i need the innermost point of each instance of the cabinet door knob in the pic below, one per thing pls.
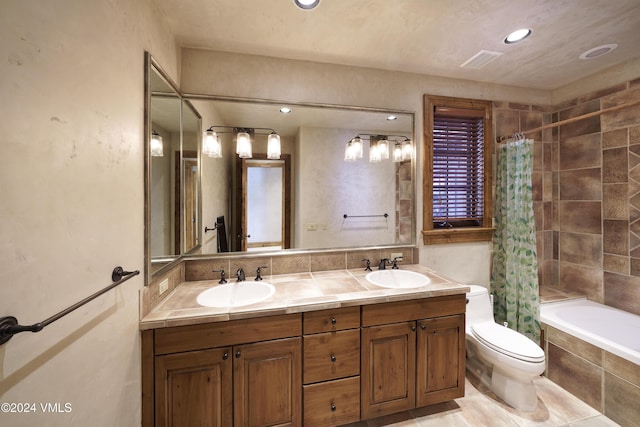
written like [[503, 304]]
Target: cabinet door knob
[[333, 357], [423, 326], [333, 321], [225, 356], [413, 328], [238, 355], [333, 407]]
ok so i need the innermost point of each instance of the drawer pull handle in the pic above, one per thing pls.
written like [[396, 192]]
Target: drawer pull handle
[[225, 356], [333, 321], [333, 357], [333, 407]]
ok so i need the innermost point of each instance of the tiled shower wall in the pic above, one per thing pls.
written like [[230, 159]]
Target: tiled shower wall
[[586, 185]]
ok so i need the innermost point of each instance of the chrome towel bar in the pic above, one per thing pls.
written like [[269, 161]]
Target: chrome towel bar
[[9, 325], [364, 216]]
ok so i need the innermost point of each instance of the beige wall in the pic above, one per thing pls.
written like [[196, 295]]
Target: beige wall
[[71, 174]]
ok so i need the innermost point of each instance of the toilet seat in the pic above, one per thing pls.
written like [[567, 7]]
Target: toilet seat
[[508, 342]]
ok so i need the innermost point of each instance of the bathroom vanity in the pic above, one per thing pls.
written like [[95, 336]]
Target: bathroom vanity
[[323, 350]]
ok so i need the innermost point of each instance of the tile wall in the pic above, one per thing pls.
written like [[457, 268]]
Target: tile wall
[[586, 185]]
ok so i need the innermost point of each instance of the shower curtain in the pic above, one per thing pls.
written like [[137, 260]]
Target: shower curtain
[[514, 275]]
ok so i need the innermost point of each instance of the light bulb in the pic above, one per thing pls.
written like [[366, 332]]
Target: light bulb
[[273, 146]]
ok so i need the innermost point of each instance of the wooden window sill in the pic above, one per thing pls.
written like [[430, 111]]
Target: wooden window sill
[[458, 235]]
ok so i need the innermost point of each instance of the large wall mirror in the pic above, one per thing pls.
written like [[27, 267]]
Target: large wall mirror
[[173, 205], [300, 200], [311, 197]]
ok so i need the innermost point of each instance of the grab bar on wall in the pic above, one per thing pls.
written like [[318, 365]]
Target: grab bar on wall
[[9, 325], [365, 216]]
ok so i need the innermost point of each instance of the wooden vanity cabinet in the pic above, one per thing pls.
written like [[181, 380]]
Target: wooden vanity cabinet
[[194, 388], [320, 368], [331, 391], [240, 373], [412, 354]]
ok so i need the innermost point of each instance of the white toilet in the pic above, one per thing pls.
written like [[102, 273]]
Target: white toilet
[[505, 361]]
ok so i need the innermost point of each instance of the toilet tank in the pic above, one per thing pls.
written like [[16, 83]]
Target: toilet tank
[[479, 307]]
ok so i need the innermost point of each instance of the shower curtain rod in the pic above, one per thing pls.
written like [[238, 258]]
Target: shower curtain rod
[[573, 119]]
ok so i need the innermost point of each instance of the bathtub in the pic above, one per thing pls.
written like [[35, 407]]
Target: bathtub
[[605, 327], [593, 351]]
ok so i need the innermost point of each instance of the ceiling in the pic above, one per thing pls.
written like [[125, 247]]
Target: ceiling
[[432, 37]]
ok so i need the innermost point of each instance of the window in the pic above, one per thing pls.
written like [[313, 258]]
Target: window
[[457, 191]]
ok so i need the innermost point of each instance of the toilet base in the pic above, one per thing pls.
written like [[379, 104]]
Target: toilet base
[[520, 395]]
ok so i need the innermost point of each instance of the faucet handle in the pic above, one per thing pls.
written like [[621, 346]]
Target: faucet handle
[[368, 267], [395, 262], [223, 279], [259, 271]]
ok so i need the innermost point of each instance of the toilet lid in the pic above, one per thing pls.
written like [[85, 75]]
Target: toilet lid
[[507, 341]]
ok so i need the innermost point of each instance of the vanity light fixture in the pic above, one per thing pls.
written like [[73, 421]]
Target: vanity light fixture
[[243, 144], [273, 146], [397, 152], [375, 154], [517, 35], [306, 4], [156, 145], [392, 118], [212, 145], [285, 110], [379, 148]]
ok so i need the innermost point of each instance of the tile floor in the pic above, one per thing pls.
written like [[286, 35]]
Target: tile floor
[[480, 407]]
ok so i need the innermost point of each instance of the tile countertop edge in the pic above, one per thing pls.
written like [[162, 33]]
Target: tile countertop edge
[[158, 319]]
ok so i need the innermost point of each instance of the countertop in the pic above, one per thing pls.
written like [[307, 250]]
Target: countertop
[[294, 293]]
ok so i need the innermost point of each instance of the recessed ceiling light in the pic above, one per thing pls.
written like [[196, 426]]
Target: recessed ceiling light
[[517, 35], [306, 4], [392, 117], [285, 110], [598, 51]]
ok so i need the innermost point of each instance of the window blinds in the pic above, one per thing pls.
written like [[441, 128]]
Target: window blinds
[[458, 168]]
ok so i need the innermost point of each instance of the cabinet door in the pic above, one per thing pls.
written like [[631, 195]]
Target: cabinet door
[[388, 369], [194, 388], [267, 383], [440, 361]]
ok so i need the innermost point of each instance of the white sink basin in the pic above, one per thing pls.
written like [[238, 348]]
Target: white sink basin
[[397, 279], [235, 294]]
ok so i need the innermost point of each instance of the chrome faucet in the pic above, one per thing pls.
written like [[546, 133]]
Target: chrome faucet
[[240, 275]]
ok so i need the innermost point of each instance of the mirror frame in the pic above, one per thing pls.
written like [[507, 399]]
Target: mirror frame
[[172, 261]]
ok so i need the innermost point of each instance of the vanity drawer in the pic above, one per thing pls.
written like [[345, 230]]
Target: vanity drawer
[[332, 403], [331, 320], [331, 355], [402, 311]]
